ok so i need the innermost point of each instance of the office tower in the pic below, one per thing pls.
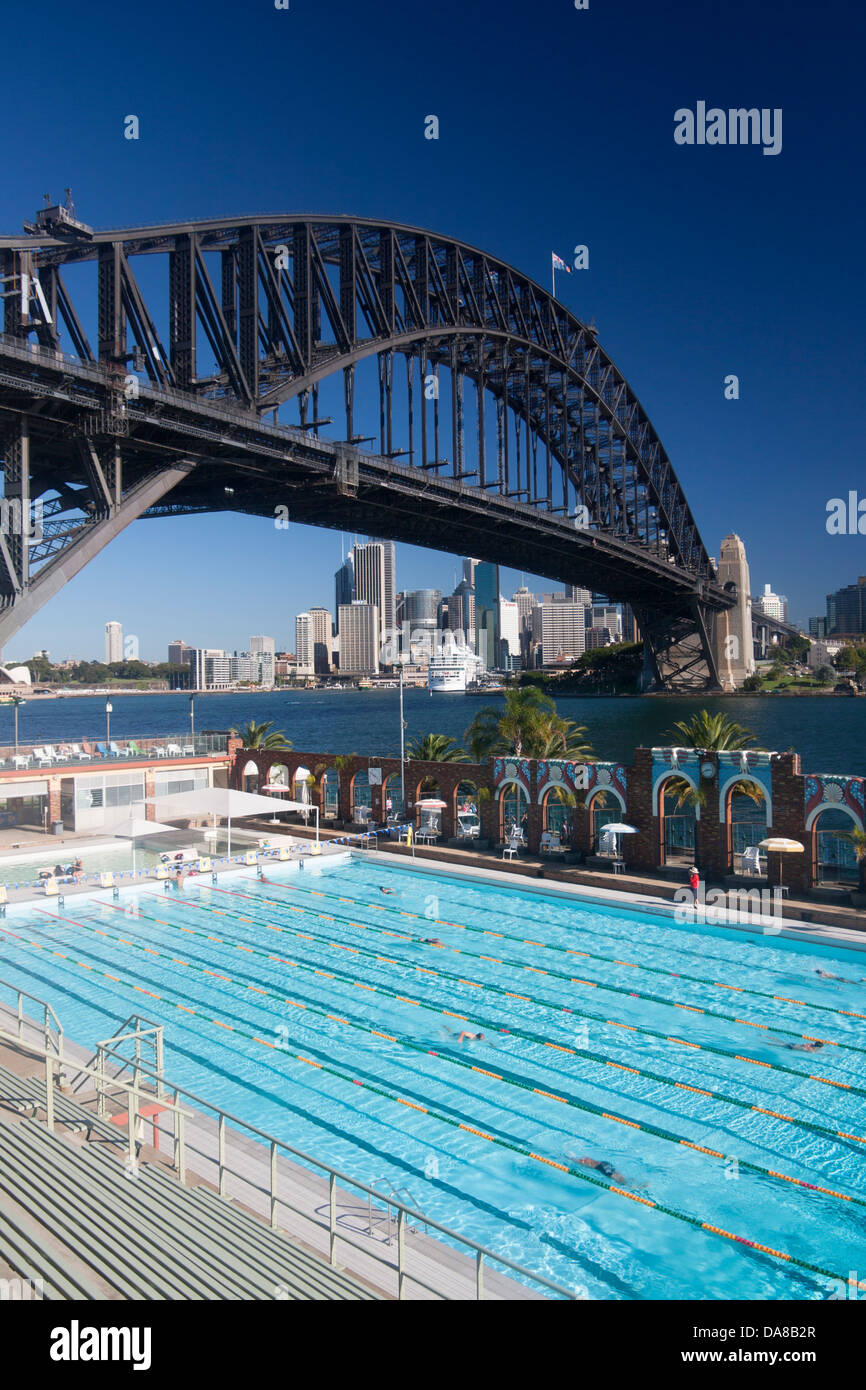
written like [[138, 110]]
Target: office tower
[[262, 644], [113, 643], [818, 628], [374, 582], [524, 600], [563, 633], [770, 604], [509, 633], [599, 637], [304, 644], [359, 638], [630, 629], [463, 610], [846, 609], [487, 633], [469, 568], [322, 628], [574, 594], [179, 652], [605, 615], [344, 584]]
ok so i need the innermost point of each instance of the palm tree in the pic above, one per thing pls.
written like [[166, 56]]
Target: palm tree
[[711, 733], [527, 727], [259, 736], [435, 748]]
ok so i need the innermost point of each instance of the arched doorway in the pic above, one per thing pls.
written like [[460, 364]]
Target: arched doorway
[[467, 816], [362, 798], [747, 821], [678, 819], [396, 811], [428, 819], [834, 863], [557, 813], [603, 809], [251, 777], [513, 806], [330, 794]]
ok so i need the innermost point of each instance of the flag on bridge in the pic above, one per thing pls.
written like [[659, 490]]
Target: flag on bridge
[[559, 263]]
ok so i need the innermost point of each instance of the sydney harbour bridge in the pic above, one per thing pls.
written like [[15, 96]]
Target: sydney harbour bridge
[[149, 372]]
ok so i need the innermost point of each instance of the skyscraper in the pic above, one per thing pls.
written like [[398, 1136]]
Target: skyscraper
[[374, 581], [487, 614], [344, 584], [304, 644], [113, 643], [321, 625], [563, 633], [359, 638], [262, 644]]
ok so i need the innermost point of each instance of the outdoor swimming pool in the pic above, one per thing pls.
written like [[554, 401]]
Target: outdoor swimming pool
[[611, 1035]]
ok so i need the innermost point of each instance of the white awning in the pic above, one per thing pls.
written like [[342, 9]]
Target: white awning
[[28, 787], [213, 801]]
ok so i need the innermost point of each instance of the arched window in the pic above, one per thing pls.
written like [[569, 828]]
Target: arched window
[[558, 815], [251, 777], [747, 820], [678, 824], [513, 806], [604, 810], [362, 800], [428, 817], [394, 794], [835, 861], [330, 785], [467, 816]]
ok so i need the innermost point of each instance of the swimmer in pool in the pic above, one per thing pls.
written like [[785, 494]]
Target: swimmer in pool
[[828, 975], [386, 890], [603, 1167], [431, 941], [804, 1047], [469, 1037], [608, 1171]]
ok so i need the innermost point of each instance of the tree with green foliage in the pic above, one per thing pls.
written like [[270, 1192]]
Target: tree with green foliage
[[259, 736], [526, 726], [435, 748], [711, 733]]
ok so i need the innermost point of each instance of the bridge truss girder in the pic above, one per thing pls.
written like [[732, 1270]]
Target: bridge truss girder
[[277, 306]]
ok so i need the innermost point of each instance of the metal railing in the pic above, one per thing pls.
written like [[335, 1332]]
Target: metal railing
[[130, 746], [148, 1084], [50, 1039]]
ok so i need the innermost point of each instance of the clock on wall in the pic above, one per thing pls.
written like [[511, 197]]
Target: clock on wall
[[708, 769]]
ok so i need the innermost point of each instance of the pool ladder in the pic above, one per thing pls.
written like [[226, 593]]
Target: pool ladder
[[399, 1194]]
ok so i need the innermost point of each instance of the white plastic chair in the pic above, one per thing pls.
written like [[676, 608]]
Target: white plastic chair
[[509, 850]]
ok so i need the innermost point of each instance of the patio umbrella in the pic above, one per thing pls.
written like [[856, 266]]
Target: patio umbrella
[[301, 775], [431, 803], [618, 827], [780, 845], [137, 828]]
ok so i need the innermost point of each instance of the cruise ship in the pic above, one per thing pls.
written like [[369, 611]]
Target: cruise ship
[[450, 673]]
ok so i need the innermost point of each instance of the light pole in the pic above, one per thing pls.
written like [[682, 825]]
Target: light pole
[[108, 724], [16, 701], [402, 745]]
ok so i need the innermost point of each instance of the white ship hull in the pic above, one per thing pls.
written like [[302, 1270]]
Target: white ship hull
[[449, 680]]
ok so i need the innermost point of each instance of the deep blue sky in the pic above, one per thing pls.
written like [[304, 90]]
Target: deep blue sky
[[556, 129]]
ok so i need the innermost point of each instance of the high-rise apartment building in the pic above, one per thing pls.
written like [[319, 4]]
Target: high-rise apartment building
[[771, 605], [563, 633], [359, 638], [113, 643], [179, 653], [322, 640], [846, 609], [305, 645]]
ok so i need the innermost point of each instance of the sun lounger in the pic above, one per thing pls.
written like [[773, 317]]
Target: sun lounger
[[103, 750], [21, 760], [78, 752], [42, 758]]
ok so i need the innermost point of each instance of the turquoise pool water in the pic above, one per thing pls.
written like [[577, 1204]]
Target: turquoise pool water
[[559, 991]]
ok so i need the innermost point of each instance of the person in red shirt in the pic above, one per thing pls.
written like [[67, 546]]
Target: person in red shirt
[[694, 881]]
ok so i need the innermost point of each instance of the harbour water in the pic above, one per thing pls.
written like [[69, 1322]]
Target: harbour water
[[829, 732]]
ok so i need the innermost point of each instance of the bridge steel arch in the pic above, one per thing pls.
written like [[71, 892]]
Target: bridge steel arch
[[509, 434]]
